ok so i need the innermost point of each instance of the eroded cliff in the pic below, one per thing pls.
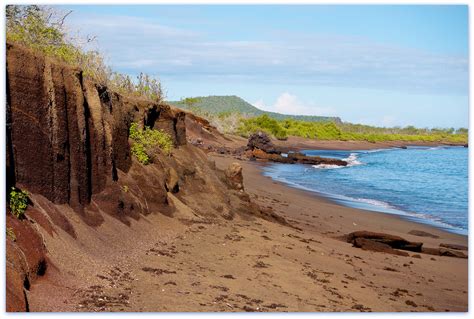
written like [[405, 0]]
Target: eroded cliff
[[68, 146]]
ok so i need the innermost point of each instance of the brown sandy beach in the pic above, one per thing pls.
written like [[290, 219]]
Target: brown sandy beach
[[431, 282], [103, 232], [256, 265]]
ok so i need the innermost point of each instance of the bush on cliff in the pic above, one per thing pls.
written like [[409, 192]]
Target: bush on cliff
[[145, 142], [42, 29], [18, 202]]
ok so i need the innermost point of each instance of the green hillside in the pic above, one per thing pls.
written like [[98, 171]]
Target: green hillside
[[216, 105]]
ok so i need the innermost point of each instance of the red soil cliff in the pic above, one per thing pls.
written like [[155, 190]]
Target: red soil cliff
[[67, 145]]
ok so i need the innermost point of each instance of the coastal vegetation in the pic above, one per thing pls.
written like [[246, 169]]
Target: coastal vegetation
[[18, 202], [281, 129], [233, 115], [42, 29], [145, 142]]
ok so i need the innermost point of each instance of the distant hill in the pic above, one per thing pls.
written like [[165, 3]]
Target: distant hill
[[234, 104]]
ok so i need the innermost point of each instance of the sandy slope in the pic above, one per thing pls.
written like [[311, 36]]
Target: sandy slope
[[253, 265]]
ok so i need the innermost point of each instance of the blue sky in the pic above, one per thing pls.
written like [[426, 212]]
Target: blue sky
[[382, 65]]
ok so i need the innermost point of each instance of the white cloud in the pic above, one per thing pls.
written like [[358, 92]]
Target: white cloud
[[290, 58], [288, 103], [259, 104]]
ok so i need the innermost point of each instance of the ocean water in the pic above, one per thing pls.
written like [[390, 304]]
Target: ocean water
[[424, 184]]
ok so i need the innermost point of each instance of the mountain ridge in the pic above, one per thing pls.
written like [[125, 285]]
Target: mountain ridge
[[216, 104]]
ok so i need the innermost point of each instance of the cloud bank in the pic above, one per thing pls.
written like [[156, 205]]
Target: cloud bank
[[137, 44]]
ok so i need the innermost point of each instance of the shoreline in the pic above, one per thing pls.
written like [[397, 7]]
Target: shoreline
[[352, 203], [375, 219], [378, 281]]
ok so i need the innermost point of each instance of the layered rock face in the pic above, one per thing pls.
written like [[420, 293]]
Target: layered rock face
[[67, 143], [68, 146], [66, 136]]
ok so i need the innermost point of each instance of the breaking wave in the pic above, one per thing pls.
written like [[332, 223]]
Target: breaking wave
[[352, 160]]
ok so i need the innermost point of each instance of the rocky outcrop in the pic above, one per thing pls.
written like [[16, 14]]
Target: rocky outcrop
[[315, 160], [391, 244], [261, 141], [261, 147], [68, 137], [26, 261]]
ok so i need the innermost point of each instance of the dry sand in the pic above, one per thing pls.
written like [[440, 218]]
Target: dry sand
[[253, 265]]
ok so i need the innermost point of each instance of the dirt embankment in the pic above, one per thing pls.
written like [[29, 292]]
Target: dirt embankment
[[68, 146]]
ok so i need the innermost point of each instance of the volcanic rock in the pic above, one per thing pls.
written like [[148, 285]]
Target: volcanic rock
[[453, 246], [261, 141], [315, 160], [390, 240], [367, 244]]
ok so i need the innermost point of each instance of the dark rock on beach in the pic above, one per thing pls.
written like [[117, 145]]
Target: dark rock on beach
[[443, 252], [315, 160], [260, 146], [392, 241], [367, 244], [261, 141], [453, 246]]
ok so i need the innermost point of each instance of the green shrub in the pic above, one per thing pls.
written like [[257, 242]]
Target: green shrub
[[18, 202], [42, 29], [145, 142], [262, 123], [347, 131]]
